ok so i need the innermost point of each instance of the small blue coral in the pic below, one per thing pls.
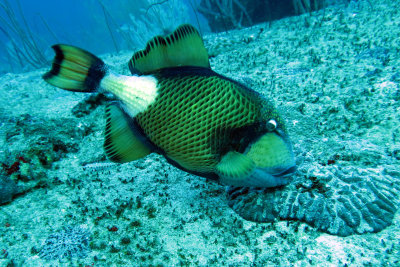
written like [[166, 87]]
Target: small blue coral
[[71, 242]]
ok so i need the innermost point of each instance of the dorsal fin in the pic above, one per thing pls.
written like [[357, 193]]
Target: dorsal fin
[[122, 143], [183, 47]]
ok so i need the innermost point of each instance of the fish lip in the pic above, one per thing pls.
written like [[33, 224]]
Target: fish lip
[[287, 172]]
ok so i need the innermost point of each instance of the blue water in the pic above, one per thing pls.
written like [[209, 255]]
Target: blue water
[[87, 24], [102, 26]]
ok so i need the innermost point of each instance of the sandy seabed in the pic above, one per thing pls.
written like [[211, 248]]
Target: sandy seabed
[[333, 75]]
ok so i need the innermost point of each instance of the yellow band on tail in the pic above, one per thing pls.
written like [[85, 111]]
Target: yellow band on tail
[[75, 69]]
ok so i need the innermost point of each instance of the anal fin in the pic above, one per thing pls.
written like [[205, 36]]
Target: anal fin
[[122, 143]]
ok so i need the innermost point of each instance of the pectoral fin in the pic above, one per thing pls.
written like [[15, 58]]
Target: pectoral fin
[[238, 169], [234, 168]]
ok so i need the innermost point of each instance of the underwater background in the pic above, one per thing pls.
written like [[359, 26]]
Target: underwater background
[[330, 68]]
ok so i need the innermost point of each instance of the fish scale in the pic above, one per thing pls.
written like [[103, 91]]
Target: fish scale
[[170, 128]]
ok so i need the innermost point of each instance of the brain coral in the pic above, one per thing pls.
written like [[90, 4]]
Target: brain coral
[[354, 194]]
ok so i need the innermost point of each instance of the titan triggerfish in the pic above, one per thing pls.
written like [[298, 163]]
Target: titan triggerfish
[[174, 104]]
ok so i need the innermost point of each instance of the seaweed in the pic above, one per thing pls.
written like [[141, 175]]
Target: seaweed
[[25, 47]]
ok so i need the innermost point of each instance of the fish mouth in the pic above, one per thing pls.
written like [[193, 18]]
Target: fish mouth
[[285, 173]]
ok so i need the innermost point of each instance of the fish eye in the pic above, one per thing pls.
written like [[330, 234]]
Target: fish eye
[[271, 125]]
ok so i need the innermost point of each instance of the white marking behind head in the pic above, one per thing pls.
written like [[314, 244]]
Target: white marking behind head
[[135, 92]]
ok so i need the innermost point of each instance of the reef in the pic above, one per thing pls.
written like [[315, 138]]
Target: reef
[[235, 14], [8, 189]]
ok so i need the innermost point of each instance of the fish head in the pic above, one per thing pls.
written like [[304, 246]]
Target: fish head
[[273, 155], [267, 161]]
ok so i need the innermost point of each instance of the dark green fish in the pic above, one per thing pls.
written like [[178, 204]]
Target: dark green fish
[[175, 105]]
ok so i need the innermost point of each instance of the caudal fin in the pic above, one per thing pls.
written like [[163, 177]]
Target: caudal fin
[[75, 69]]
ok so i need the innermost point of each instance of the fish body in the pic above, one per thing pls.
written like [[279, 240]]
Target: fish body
[[175, 105]]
